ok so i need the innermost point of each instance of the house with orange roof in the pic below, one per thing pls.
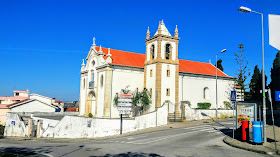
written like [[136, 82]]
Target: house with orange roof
[[108, 71]]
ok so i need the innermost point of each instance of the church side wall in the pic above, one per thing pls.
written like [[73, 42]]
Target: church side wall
[[122, 79], [193, 90], [151, 84]]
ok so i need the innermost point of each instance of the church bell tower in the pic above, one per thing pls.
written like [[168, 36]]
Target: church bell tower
[[161, 67]]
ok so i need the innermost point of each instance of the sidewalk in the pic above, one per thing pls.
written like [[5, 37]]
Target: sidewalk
[[267, 148]]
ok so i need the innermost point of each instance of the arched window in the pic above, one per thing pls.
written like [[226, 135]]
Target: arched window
[[93, 63], [206, 93], [101, 81], [167, 51], [152, 51], [92, 76]]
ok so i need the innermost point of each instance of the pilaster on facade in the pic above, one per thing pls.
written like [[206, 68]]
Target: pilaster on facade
[[107, 92]]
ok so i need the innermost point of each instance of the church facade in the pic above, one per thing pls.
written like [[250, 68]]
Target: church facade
[[108, 71]]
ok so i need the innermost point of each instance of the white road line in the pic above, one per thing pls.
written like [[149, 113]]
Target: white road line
[[165, 137], [226, 123], [194, 127]]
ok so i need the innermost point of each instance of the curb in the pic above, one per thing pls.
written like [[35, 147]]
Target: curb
[[240, 145]]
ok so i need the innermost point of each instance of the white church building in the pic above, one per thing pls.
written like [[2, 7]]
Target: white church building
[[108, 71]]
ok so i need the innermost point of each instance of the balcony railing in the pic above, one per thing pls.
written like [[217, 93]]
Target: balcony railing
[[91, 84]]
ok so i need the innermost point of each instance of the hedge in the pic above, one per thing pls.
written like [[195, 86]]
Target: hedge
[[203, 105]]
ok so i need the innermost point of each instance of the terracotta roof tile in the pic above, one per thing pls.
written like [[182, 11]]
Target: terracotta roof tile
[[72, 109], [199, 68], [126, 58]]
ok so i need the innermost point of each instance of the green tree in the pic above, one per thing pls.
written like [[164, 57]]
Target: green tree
[[256, 85], [145, 99], [275, 78], [243, 73], [219, 65], [142, 98]]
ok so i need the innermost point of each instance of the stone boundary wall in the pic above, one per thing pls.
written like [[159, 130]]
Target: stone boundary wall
[[199, 114], [15, 126], [72, 126], [84, 127]]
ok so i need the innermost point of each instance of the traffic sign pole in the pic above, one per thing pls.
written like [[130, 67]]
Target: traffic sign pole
[[121, 125], [233, 99]]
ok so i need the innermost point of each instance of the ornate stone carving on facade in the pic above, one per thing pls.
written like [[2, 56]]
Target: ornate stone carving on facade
[[148, 34], [159, 27], [100, 52], [93, 42], [108, 59], [176, 32]]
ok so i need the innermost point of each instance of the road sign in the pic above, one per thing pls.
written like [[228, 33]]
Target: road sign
[[277, 95], [233, 96], [124, 103]]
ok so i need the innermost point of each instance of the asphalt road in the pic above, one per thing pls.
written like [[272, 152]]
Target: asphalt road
[[198, 141]]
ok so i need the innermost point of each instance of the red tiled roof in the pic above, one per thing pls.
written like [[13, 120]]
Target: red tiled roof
[[58, 101], [72, 109], [126, 58], [199, 68]]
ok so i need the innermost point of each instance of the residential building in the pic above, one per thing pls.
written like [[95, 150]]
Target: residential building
[[19, 95]]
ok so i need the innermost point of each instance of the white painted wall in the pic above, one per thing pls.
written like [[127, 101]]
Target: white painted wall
[[151, 83], [168, 82], [18, 128], [193, 90], [83, 127], [198, 114], [33, 106], [41, 98], [121, 79]]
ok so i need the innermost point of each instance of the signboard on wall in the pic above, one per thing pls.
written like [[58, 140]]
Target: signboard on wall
[[246, 112]]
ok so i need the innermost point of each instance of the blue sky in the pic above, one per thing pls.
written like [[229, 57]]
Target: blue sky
[[42, 43]]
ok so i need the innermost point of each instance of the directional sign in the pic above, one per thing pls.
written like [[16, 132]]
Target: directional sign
[[277, 95], [124, 103], [233, 96], [124, 108], [124, 100]]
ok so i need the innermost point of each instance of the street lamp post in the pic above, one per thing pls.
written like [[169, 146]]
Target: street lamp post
[[248, 10], [224, 50]]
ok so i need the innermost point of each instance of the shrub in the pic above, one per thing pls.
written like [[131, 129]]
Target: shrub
[[2, 130], [90, 115], [227, 105], [203, 105]]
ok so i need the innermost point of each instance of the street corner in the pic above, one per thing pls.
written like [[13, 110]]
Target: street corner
[[249, 147]]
